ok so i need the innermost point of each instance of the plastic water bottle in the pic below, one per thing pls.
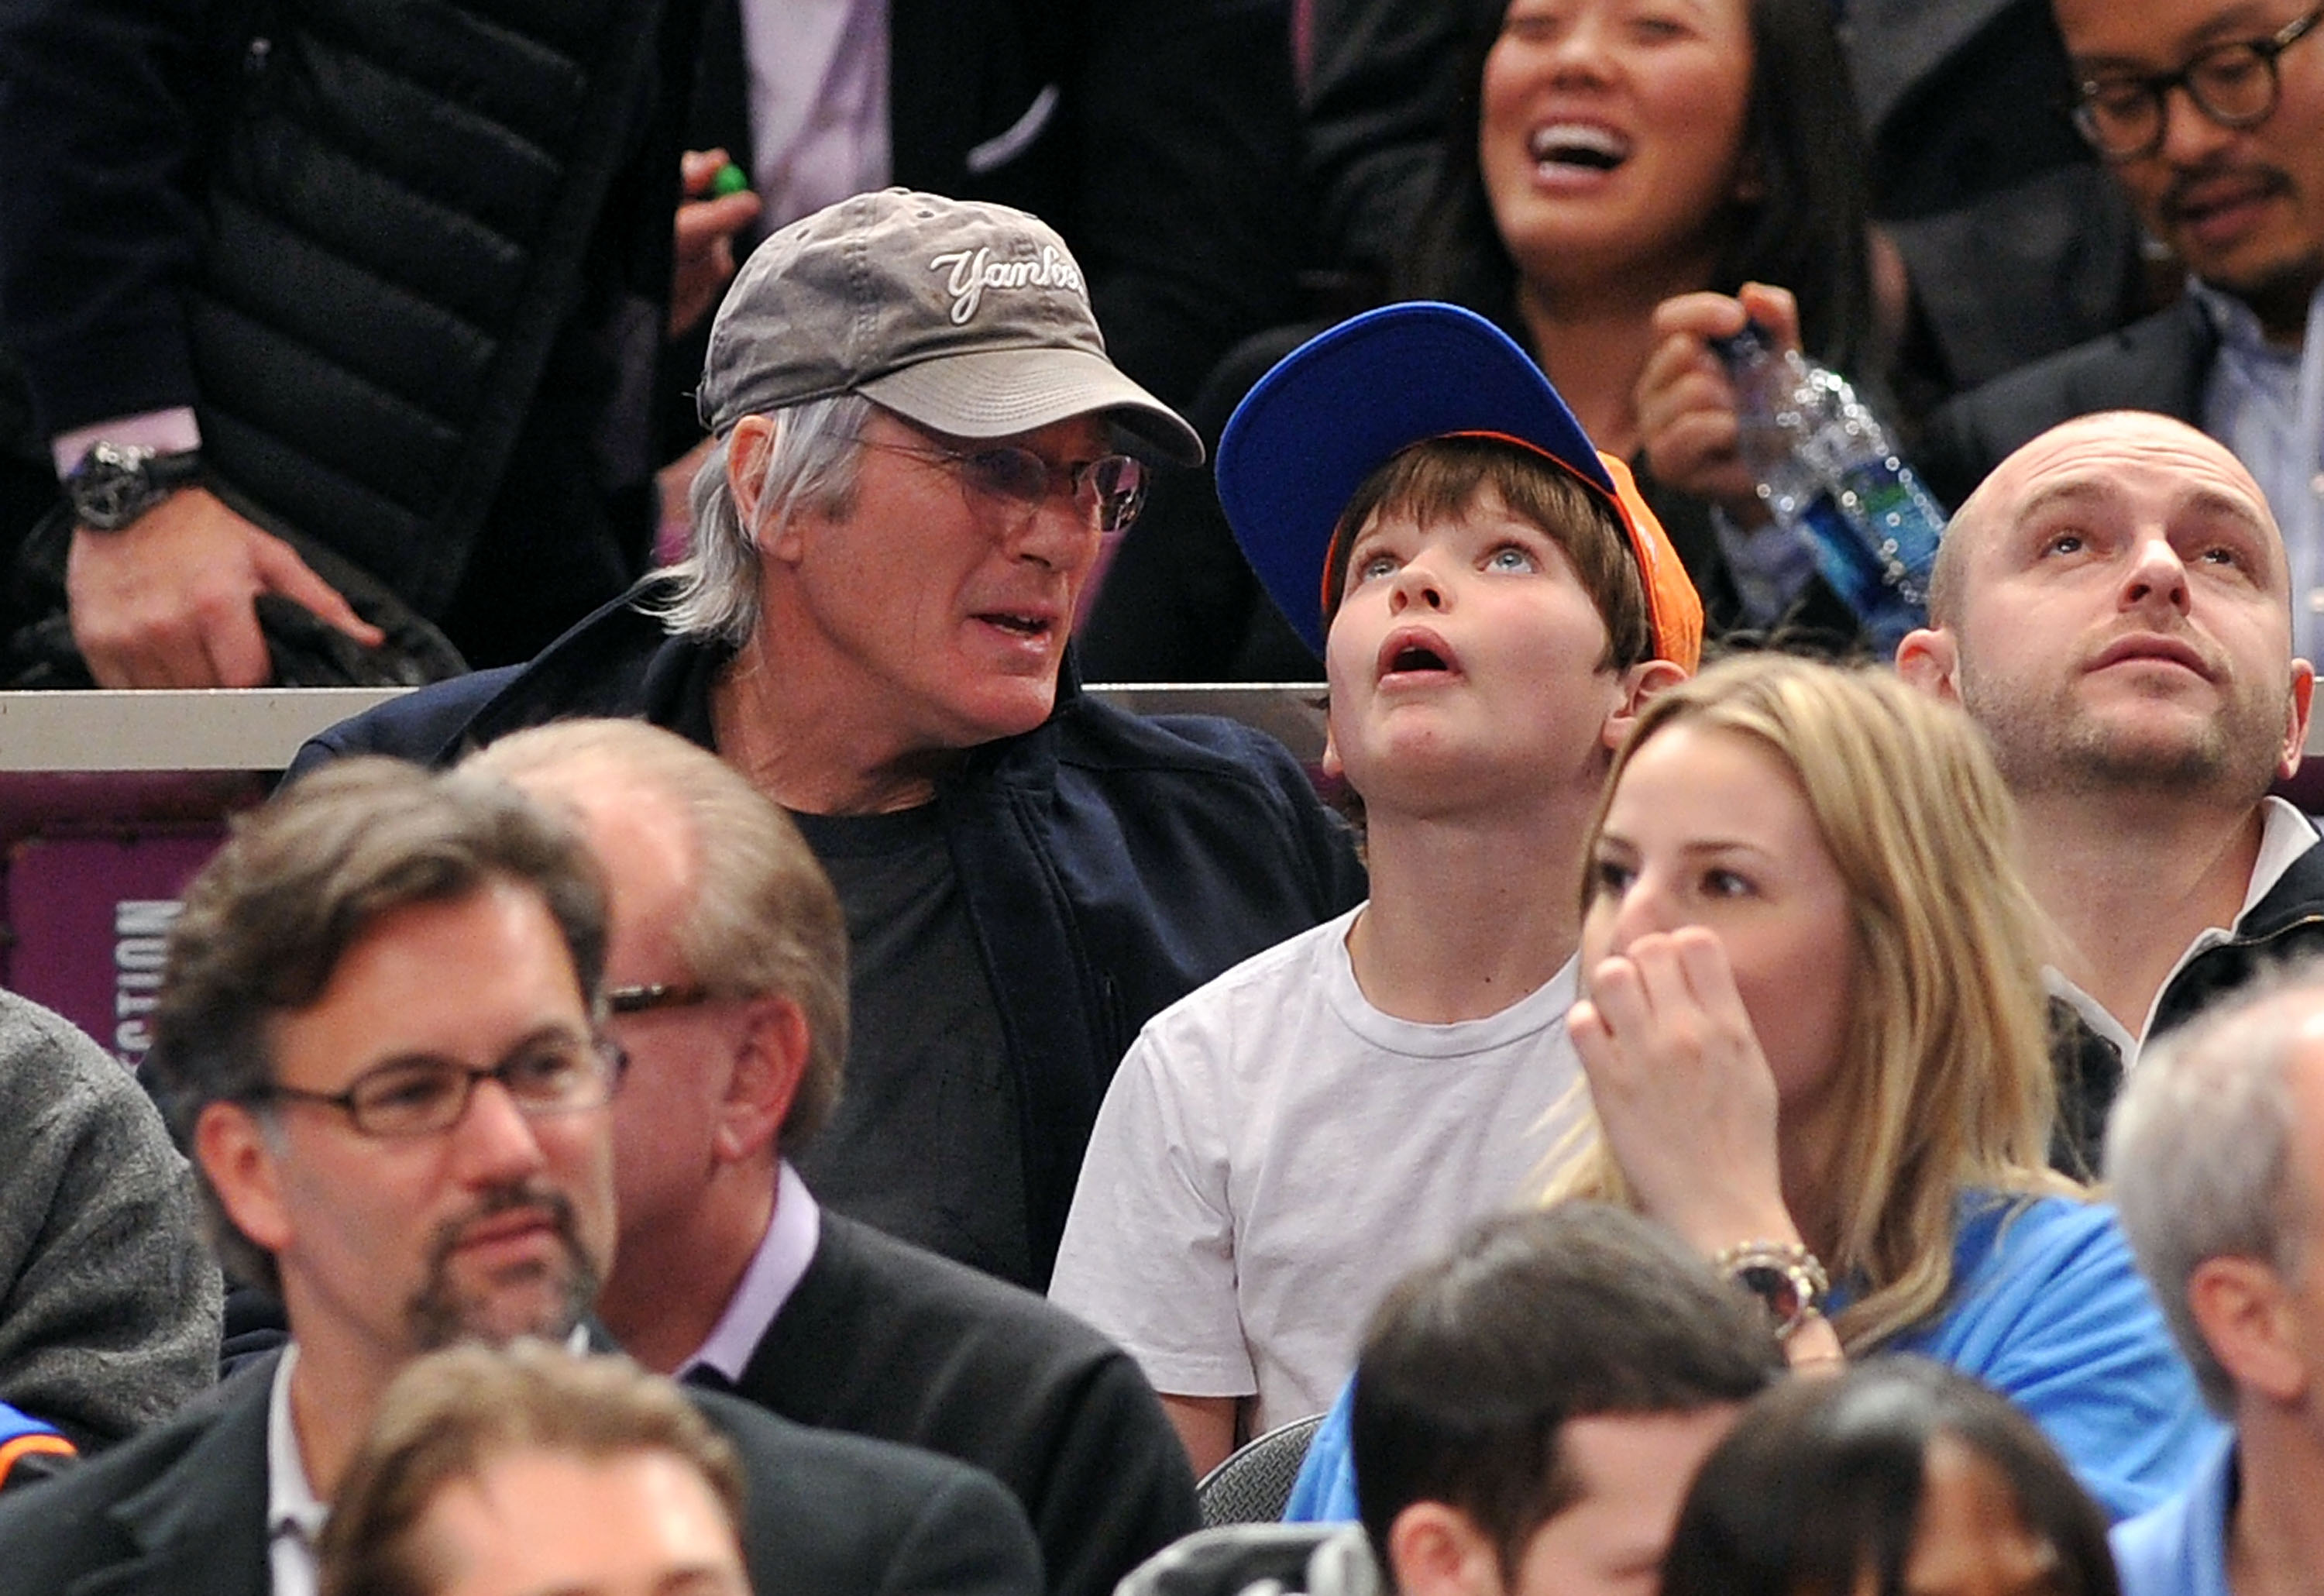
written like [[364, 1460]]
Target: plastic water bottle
[[1828, 475]]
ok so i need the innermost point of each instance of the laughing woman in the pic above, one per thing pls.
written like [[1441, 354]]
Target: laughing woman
[[1616, 180], [1617, 173]]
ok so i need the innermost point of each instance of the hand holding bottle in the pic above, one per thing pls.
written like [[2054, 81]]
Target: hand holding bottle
[[1828, 471], [1689, 415]]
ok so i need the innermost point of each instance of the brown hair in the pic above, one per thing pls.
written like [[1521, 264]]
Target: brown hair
[[1442, 477], [763, 920], [301, 881], [449, 1415], [1475, 1363]]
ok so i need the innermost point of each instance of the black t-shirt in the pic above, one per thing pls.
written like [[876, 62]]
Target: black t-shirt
[[928, 1141]]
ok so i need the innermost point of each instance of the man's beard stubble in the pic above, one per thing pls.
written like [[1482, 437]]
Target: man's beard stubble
[[2059, 750], [442, 1315]]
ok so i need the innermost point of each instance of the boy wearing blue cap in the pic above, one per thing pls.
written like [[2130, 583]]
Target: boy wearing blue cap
[[1496, 603]]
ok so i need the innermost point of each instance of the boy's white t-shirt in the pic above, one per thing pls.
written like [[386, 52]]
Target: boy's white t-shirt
[[1274, 1153]]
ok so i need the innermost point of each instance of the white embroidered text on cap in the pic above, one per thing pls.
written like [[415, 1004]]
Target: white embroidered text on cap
[[973, 274]]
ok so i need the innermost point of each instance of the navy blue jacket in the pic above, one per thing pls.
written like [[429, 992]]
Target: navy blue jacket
[[1110, 863]]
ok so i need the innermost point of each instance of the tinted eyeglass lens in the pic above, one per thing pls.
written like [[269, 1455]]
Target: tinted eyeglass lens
[[1008, 474], [1114, 489], [1109, 491]]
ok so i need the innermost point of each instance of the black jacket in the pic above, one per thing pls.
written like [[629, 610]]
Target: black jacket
[[2159, 363], [383, 251], [1160, 137], [182, 1511], [1110, 863], [2286, 923], [884, 1339]]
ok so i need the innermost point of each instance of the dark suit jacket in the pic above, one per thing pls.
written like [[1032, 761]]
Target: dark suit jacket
[[881, 1338], [2155, 364], [1160, 137], [181, 1511]]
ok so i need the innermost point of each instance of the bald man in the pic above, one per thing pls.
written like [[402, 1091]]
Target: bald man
[[2112, 606]]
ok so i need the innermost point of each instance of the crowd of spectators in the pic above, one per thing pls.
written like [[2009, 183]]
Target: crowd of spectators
[[770, 1084]]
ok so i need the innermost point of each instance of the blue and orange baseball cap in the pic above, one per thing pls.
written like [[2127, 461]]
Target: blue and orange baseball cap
[[1342, 404]]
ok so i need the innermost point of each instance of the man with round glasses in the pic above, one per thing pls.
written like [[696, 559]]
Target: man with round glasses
[[378, 1037], [921, 449], [2210, 113]]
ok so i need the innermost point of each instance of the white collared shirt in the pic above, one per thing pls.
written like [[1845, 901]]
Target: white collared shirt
[[2285, 833], [294, 1518]]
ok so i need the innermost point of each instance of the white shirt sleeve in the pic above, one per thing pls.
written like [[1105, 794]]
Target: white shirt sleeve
[[1148, 1252]]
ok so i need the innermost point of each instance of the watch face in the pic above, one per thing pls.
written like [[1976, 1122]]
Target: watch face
[[115, 484], [1778, 1288]]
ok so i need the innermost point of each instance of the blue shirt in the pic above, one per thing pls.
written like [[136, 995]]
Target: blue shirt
[[2181, 1548], [2048, 1309], [2267, 404]]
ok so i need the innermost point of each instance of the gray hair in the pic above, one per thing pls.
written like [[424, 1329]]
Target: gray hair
[[713, 593], [2199, 1148]]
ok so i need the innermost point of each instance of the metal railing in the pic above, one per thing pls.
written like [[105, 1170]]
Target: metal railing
[[261, 728]]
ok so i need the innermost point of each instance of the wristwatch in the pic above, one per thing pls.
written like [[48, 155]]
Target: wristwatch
[[1785, 1275], [116, 483]]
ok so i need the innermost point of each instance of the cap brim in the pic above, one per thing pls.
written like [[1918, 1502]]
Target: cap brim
[[1342, 404], [995, 392]]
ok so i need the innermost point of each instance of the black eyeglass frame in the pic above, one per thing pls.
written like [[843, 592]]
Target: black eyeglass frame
[[982, 470], [2155, 87], [660, 994], [613, 1062]]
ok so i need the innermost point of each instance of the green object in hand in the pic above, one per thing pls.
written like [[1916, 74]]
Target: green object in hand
[[730, 179]]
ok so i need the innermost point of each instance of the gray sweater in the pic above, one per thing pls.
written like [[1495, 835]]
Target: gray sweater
[[109, 1301]]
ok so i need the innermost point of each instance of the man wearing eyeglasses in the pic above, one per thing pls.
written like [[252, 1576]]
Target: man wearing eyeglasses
[[2212, 114], [922, 448], [727, 972], [378, 1036]]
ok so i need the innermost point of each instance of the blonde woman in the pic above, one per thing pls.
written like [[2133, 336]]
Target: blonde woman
[[1815, 1043]]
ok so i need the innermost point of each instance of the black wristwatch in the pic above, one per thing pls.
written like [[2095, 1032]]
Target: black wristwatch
[[116, 483]]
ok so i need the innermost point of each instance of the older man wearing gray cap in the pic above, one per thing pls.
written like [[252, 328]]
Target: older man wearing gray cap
[[920, 444]]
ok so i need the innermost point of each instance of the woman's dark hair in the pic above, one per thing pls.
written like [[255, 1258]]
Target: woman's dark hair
[[1806, 231], [1820, 1484]]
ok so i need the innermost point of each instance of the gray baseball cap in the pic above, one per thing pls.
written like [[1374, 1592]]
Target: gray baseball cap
[[968, 318]]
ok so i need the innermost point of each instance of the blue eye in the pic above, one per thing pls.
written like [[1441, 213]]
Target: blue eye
[[1510, 556], [1373, 567]]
